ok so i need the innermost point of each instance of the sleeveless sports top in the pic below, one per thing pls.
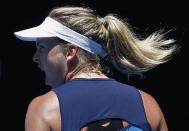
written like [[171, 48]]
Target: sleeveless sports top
[[83, 101]]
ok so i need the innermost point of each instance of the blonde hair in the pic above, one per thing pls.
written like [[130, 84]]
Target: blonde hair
[[126, 52]]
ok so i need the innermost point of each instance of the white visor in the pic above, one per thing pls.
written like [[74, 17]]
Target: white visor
[[52, 28]]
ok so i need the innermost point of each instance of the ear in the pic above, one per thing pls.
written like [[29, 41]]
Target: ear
[[71, 52]]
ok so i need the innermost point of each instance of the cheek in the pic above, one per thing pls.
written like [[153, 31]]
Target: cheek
[[56, 60]]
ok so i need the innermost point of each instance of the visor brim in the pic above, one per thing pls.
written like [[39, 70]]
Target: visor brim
[[32, 34]]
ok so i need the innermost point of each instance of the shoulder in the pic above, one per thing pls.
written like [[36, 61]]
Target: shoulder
[[42, 111], [153, 112], [44, 103]]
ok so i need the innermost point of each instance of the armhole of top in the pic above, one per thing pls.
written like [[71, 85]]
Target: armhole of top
[[142, 105], [60, 107]]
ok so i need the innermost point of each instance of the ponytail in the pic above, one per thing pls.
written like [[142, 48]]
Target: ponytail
[[130, 54]]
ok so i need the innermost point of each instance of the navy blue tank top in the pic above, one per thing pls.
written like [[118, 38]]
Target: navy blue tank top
[[83, 101]]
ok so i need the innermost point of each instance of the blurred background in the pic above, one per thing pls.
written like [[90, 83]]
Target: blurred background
[[21, 80]]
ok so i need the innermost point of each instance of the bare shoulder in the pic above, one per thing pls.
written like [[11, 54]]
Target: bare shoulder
[[153, 112], [42, 110], [44, 103]]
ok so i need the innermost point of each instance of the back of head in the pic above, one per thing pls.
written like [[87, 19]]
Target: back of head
[[126, 52]]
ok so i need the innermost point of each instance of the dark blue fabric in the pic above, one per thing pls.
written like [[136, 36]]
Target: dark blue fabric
[[86, 100]]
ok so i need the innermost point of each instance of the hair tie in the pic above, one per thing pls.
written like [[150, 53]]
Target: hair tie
[[102, 20]]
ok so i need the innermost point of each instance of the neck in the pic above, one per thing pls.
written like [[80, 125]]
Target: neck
[[82, 75], [79, 73], [90, 75]]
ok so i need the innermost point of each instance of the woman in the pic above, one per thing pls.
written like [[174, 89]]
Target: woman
[[80, 54]]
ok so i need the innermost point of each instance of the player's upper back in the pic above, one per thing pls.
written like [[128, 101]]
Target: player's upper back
[[81, 99]]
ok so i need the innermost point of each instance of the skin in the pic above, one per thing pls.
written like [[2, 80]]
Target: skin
[[50, 59], [43, 112]]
